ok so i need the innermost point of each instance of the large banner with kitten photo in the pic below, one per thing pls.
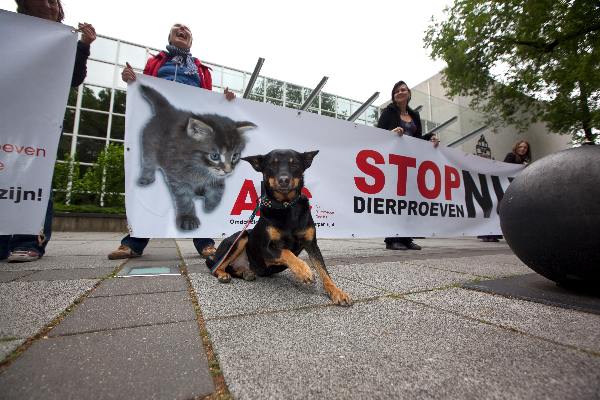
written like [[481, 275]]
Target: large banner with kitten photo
[[185, 176], [35, 77]]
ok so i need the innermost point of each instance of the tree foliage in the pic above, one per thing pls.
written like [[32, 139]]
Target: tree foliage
[[524, 61]]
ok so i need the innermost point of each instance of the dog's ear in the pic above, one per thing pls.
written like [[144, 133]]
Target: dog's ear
[[243, 126], [255, 161], [308, 158]]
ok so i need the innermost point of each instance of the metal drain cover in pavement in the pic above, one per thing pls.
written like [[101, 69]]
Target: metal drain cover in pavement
[[148, 271]]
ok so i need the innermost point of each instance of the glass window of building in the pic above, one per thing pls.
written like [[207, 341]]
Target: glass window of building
[[69, 121], [64, 147], [119, 101], [104, 49], [136, 56], [96, 98], [100, 73], [343, 107], [117, 127], [88, 149], [92, 123], [234, 80]]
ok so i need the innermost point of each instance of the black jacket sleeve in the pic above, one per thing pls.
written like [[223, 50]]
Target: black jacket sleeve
[[80, 67], [510, 158], [386, 120]]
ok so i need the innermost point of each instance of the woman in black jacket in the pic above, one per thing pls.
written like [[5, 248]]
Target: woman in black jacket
[[520, 154], [25, 248], [398, 117]]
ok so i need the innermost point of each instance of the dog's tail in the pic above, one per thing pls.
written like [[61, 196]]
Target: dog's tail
[[158, 102]]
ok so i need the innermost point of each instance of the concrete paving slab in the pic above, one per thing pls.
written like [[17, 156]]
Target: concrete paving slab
[[400, 277], [160, 243], [169, 256], [139, 285], [195, 264], [58, 237], [332, 248], [395, 256], [68, 274], [573, 328], [8, 276], [153, 362], [99, 248], [101, 313], [393, 349], [485, 266], [8, 346], [143, 261], [63, 262], [26, 307], [266, 294]]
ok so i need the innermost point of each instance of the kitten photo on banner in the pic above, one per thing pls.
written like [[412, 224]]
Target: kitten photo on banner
[[196, 153]]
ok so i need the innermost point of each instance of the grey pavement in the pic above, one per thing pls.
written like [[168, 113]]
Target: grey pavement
[[76, 325]]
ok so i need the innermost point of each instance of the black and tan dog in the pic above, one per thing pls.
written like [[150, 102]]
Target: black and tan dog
[[284, 229]]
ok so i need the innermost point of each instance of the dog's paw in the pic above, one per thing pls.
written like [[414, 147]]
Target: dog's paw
[[187, 222], [248, 275], [305, 275], [224, 277], [340, 297]]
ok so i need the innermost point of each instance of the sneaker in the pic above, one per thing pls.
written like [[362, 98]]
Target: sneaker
[[395, 246], [412, 246], [123, 252], [23, 256]]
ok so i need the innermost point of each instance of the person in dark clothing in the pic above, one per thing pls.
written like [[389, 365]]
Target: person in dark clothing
[[24, 248], [520, 154], [176, 64], [398, 117]]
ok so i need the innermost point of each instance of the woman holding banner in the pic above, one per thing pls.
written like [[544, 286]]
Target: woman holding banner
[[520, 154], [175, 64], [399, 118], [24, 248]]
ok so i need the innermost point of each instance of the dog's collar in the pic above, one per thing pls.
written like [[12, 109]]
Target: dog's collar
[[278, 205]]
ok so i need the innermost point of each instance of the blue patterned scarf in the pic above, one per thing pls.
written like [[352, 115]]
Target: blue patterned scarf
[[183, 59]]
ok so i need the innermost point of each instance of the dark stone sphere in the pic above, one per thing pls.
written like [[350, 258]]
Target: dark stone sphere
[[550, 216]]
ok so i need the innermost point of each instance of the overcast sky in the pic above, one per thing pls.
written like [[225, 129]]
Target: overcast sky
[[362, 46]]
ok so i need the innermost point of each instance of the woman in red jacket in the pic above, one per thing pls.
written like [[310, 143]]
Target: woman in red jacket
[[175, 64]]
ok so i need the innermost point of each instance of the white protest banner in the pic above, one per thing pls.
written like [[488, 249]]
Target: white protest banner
[[37, 65], [365, 182]]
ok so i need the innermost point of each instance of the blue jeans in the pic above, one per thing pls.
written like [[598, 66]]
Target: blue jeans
[[10, 243], [137, 245]]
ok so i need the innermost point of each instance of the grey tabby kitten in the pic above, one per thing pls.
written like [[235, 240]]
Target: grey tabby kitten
[[195, 152]]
